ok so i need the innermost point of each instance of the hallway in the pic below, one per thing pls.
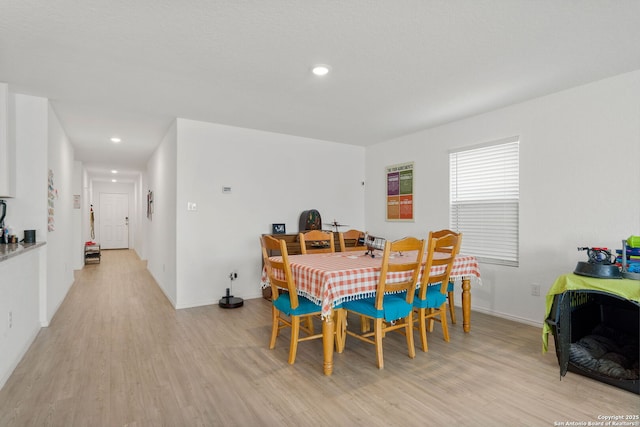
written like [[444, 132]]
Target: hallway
[[118, 354]]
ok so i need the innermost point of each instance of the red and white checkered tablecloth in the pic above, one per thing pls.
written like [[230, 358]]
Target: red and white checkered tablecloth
[[332, 278]]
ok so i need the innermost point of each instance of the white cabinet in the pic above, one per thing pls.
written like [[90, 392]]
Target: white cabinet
[[7, 143]]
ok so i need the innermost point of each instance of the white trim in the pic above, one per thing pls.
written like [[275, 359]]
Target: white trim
[[515, 138]]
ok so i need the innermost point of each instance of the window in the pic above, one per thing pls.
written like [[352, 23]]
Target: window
[[484, 200]]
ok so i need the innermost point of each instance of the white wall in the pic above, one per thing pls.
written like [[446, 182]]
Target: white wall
[[138, 214], [62, 242], [85, 203], [273, 179], [140, 241], [579, 180], [160, 230], [28, 210], [79, 218]]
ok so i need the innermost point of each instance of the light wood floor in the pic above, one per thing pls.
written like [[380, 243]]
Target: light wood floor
[[118, 354]]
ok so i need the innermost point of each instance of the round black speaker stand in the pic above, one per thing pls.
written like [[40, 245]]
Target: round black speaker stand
[[229, 301]]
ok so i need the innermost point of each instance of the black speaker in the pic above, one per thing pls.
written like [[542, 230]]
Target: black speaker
[[29, 236]]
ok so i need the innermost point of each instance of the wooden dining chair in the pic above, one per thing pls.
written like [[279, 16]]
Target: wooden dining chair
[[316, 241], [450, 287], [352, 240], [431, 298], [288, 308], [391, 308]]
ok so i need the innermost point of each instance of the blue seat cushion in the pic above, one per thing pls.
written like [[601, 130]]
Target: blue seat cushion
[[394, 307], [450, 287], [305, 306], [434, 298]]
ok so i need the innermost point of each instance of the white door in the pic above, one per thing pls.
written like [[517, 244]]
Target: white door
[[114, 221]]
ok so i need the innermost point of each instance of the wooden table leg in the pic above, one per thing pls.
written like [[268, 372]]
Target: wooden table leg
[[466, 304], [340, 323], [328, 334]]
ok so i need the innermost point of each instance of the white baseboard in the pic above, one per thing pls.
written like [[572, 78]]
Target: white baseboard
[[510, 317]]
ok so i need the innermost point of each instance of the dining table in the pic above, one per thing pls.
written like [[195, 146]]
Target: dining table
[[329, 279]]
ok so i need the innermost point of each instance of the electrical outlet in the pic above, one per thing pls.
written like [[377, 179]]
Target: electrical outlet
[[233, 275], [535, 289]]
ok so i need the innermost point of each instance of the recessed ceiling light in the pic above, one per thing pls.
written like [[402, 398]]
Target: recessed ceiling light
[[321, 70], [114, 180], [114, 171], [115, 139]]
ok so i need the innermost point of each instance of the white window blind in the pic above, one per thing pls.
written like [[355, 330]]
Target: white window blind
[[484, 200]]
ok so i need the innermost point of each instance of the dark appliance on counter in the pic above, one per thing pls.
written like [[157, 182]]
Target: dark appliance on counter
[[3, 213], [29, 236]]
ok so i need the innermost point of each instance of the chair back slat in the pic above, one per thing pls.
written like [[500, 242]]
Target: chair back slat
[[407, 244], [316, 241], [277, 283], [442, 248], [352, 240]]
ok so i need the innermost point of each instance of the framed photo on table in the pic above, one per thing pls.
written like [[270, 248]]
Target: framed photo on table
[[278, 229]]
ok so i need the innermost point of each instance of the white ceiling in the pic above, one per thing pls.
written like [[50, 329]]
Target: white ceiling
[[130, 67]]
